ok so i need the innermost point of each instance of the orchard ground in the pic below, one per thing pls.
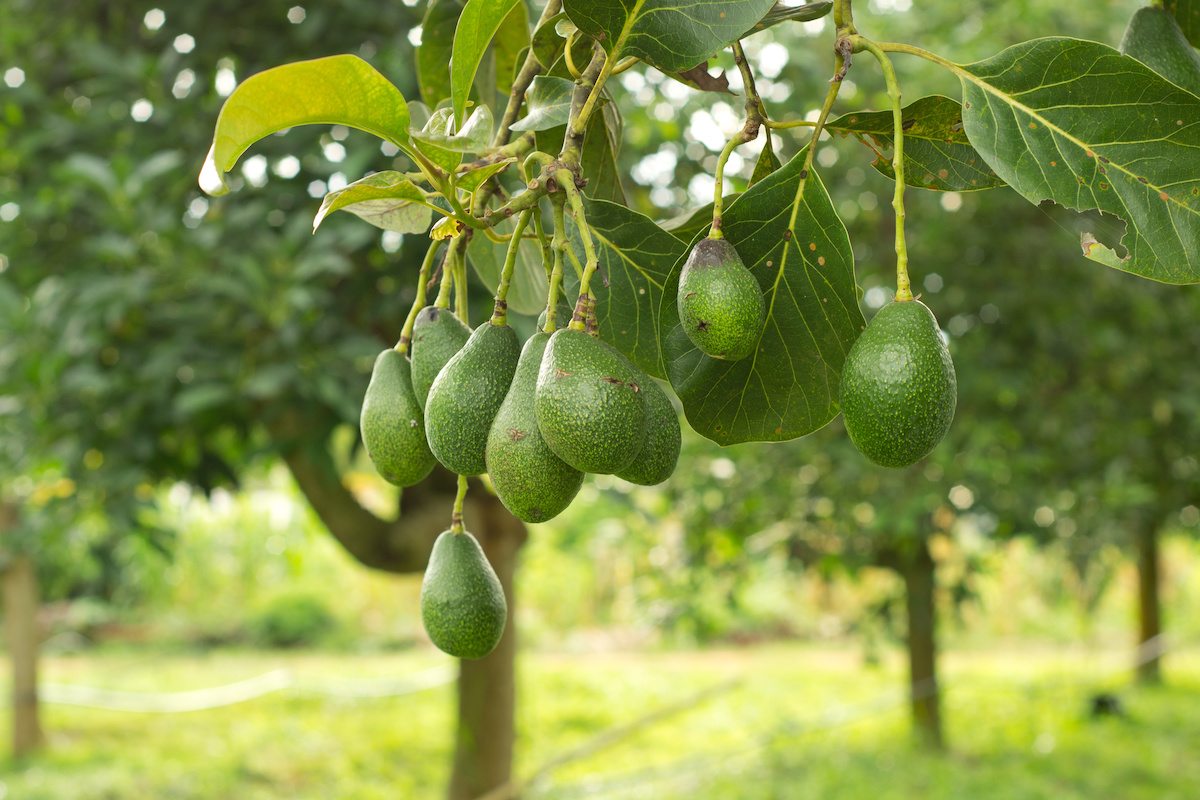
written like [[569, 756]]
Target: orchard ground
[[801, 721]]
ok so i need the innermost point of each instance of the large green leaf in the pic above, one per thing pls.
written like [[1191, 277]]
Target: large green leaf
[[937, 153], [387, 200], [781, 13], [599, 157], [637, 257], [672, 35], [1187, 14], [790, 386], [508, 48], [478, 23], [437, 45], [338, 90], [1077, 123]]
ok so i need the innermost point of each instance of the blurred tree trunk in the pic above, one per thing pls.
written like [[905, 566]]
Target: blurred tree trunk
[[918, 571], [20, 618], [486, 687], [1149, 667]]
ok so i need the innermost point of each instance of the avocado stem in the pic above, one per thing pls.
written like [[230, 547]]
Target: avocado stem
[[460, 280], [500, 316], [419, 302], [835, 85], [558, 244], [748, 133], [903, 286], [456, 518], [443, 296], [566, 179]]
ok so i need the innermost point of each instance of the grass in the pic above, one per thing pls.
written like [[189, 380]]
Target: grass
[[803, 721]]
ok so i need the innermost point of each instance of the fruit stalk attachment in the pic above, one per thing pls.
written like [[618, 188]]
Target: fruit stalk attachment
[[500, 315], [456, 517], [748, 133]]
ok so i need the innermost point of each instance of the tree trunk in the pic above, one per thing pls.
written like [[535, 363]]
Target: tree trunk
[[487, 686], [1149, 668], [918, 572], [20, 616]]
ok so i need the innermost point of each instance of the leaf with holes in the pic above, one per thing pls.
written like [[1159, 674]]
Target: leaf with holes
[[672, 35], [937, 153], [1080, 124], [339, 90], [477, 25], [548, 102], [387, 200], [636, 256], [790, 385]]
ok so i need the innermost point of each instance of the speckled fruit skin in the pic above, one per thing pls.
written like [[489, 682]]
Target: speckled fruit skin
[[589, 403], [720, 303], [437, 335], [393, 429], [898, 386], [656, 460], [466, 395], [532, 482], [1154, 38], [462, 602]]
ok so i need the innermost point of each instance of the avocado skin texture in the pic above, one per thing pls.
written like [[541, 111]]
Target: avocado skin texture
[[466, 395], [393, 430], [462, 602], [532, 482], [720, 303], [898, 386], [437, 335], [589, 402], [1154, 38], [660, 452]]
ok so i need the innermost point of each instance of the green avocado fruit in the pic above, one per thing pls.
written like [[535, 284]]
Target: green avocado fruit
[[532, 482], [589, 402], [1154, 38], [437, 335], [462, 601], [466, 395], [393, 430], [898, 386], [656, 460], [720, 303]]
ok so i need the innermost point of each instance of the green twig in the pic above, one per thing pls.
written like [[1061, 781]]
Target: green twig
[[500, 314], [456, 518], [419, 302], [443, 296], [461, 290]]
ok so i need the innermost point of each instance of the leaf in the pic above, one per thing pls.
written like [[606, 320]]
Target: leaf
[[548, 42], [478, 23], [698, 78], [937, 153], [548, 101], [386, 200], [439, 127], [338, 90], [474, 137], [529, 287], [672, 35], [437, 46], [767, 162], [1077, 123], [599, 160], [790, 386], [511, 39], [781, 13], [637, 257], [472, 179], [445, 228], [1187, 14]]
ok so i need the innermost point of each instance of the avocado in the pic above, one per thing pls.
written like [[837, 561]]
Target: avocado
[[898, 386], [393, 430], [466, 395], [1154, 38], [589, 402], [436, 336], [462, 601], [720, 303], [656, 460], [532, 482]]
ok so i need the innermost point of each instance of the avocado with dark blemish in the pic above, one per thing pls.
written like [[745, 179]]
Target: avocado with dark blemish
[[720, 302], [532, 482], [437, 335]]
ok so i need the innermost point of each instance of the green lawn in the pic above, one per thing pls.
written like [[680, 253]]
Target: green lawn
[[803, 722]]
